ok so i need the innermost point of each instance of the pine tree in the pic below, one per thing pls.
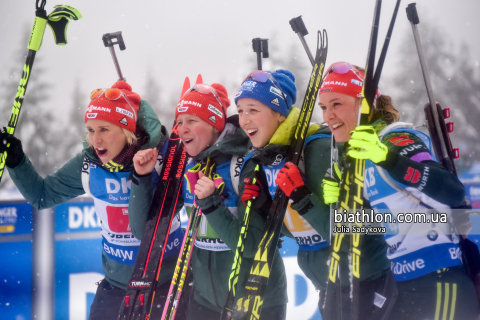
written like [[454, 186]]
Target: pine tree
[[36, 127], [455, 80], [76, 124]]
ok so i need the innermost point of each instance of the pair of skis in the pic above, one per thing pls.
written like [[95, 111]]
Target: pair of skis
[[140, 297], [250, 305], [183, 262], [351, 188]]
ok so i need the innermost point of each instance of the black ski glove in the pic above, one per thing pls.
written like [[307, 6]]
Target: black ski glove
[[14, 151]]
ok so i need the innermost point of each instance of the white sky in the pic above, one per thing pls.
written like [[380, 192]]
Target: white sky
[[174, 39]]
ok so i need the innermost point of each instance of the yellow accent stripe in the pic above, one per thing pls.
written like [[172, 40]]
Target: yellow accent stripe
[[454, 301], [445, 301], [439, 300]]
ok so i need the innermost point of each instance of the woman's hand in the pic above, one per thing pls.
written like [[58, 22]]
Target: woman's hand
[[144, 161], [366, 145], [205, 187]]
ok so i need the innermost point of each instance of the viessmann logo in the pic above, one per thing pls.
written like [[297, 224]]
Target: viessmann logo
[[95, 108], [191, 103]]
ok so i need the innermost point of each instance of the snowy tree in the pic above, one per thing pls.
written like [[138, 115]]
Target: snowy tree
[[76, 124], [40, 138], [151, 92], [455, 80]]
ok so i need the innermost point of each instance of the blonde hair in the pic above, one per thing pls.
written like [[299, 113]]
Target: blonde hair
[[130, 137]]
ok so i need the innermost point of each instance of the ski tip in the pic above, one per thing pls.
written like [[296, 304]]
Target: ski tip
[[199, 79], [186, 86]]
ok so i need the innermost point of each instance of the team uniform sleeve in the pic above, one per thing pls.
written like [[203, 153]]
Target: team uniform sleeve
[[227, 226], [312, 208], [54, 189], [410, 162], [141, 196]]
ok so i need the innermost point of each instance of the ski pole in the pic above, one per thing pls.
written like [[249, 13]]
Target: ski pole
[[260, 47], [58, 22], [228, 309], [108, 41], [301, 30], [176, 289]]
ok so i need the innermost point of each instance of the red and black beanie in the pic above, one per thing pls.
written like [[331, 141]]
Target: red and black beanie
[[120, 112], [205, 106]]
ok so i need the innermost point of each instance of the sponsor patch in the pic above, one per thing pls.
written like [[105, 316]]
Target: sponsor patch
[[125, 112], [249, 85], [238, 94], [357, 82], [188, 102], [95, 108], [335, 83], [91, 115], [212, 118], [276, 91], [432, 235], [182, 109], [124, 121], [275, 102], [402, 140], [215, 110], [412, 175]]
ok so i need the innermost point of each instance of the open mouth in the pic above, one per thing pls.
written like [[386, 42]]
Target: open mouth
[[187, 141], [101, 152], [337, 125], [252, 132]]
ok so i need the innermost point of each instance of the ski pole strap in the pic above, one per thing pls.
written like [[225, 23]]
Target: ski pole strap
[[58, 21]]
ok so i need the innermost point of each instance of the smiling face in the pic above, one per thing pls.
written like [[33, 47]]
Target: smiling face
[[340, 112], [196, 134], [107, 139], [258, 121]]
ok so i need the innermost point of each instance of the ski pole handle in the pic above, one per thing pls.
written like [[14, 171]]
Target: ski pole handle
[[299, 28], [108, 42], [260, 47]]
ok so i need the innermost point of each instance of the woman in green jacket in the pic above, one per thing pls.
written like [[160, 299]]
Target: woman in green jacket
[[119, 123], [207, 133], [400, 167], [265, 101]]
